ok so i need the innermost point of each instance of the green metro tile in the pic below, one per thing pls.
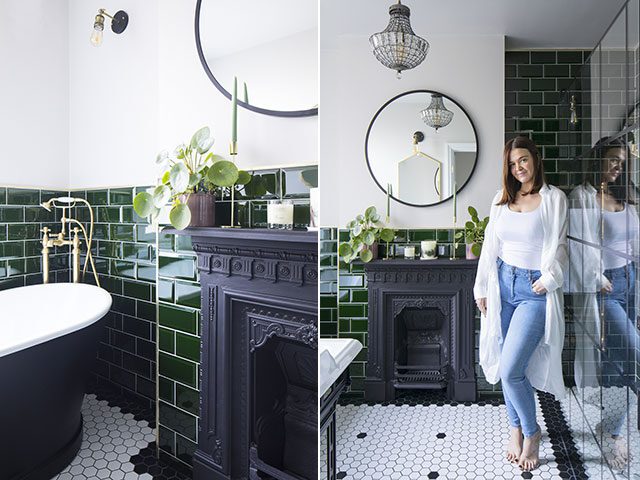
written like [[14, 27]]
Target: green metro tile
[[101, 232], [166, 389], [146, 272], [3, 232], [165, 290], [177, 267], [419, 235], [188, 347], [326, 315], [139, 290], [178, 369], [328, 329], [122, 232], [179, 318], [12, 250], [3, 268], [24, 231], [121, 196], [351, 281], [166, 340], [16, 266], [142, 235], [183, 243], [33, 265], [146, 310], [359, 325], [3, 195], [188, 294], [121, 268], [108, 214], [38, 215], [21, 196], [188, 399], [11, 214], [129, 216], [136, 251], [343, 296], [109, 249], [359, 296], [167, 442], [97, 197], [177, 420], [344, 326], [185, 449], [327, 301]]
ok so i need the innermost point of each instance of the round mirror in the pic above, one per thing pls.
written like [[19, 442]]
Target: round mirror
[[420, 146], [270, 47]]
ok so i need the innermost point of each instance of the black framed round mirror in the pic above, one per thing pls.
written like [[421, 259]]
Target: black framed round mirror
[[420, 146], [272, 49]]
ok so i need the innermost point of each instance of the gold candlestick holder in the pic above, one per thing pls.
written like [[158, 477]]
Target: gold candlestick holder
[[455, 243], [233, 151]]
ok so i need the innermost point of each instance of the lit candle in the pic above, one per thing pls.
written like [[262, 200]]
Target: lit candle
[[234, 112]]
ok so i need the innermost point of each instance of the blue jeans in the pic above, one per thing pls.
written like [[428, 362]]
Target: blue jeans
[[522, 322], [622, 342]]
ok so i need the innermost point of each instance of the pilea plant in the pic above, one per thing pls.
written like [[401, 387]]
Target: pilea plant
[[364, 231], [473, 232], [189, 169]]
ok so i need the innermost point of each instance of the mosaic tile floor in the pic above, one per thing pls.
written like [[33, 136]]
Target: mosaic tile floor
[[427, 438], [586, 424], [117, 445]]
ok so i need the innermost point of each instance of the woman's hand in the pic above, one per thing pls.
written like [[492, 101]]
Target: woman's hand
[[482, 305], [538, 287], [607, 286]]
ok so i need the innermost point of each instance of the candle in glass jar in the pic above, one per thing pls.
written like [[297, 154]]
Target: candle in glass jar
[[280, 214], [428, 249], [409, 251]]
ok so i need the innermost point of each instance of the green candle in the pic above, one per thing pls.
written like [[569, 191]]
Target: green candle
[[246, 93], [234, 111]]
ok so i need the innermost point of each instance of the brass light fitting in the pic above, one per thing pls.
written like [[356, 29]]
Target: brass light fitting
[[573, 120], [119, 22]]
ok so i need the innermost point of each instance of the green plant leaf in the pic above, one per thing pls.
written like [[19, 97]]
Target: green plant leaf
[[369, 212], [179, 177], [472, 211], [475, 249], [356, 230], [223, 173], [469, 225], [161, 195], [201, 140], [143, 204], [344, 250], [366, 255], [387, 235], [180, 216], [244, 177], [256, 186], [194, 179], [162, 157], [270, 182], [369, 238], [166, 177]]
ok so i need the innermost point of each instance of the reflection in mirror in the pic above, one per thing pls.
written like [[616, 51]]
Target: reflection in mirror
[[271, 47], [604, 235], [420, 146]]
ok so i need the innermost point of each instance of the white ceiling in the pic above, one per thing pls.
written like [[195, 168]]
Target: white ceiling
[[527, 24]]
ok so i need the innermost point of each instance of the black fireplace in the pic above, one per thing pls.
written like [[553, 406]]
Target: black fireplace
[[258, 405], [421, 328]]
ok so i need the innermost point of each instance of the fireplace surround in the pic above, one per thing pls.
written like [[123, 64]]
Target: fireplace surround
[[421, 328], [258, 376]]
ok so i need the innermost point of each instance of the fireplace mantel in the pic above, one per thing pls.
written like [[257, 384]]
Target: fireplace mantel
[[440, 285], [258, 376]]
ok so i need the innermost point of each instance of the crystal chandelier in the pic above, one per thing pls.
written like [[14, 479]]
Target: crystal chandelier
[[397, 47], [436, 114]]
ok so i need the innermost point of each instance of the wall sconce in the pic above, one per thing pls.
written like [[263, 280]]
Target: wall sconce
[[119, 23]]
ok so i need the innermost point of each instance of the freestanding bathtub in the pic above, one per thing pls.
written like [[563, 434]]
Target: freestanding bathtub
[[49, 336]]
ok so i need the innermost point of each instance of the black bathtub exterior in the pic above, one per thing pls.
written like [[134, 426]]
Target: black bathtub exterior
[[41, 393]]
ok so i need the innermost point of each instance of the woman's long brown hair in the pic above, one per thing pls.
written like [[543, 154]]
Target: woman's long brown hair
[[510, 185]]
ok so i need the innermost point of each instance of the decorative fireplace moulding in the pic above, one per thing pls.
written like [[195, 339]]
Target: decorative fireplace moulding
[[429, 290], [258, 376]]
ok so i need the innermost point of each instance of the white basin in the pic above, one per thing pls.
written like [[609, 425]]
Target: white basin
[[335, 356]]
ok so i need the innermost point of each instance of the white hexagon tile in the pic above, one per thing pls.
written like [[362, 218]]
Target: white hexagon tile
[[419, 440], [113, 446]]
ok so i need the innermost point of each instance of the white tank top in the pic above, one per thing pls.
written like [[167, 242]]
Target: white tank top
[[521, 237], [620, 231]]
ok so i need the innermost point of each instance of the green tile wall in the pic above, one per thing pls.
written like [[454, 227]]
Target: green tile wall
[[179, 308], [328, 282], [21, 219], [347, 310]]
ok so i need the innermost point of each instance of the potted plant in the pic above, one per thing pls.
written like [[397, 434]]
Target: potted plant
[[473, 233], [365, 231], [190, 178]]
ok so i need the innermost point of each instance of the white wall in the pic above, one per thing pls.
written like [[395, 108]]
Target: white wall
[[353, 86], [34, 127]]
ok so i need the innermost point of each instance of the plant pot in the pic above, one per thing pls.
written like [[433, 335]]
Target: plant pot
[[470, 255], [374, 250], [202, 207]]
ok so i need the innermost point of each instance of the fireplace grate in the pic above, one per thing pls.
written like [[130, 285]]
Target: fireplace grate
[[420, 376]]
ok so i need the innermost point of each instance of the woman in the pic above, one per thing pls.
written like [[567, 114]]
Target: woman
[[518, 290], [602, 212]]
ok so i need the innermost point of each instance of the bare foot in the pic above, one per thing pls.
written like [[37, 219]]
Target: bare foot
[[514, 447], [530, 457], [616, 451]]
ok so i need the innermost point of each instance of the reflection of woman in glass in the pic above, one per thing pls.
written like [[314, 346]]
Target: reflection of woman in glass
[[602, 212], [518, 290]]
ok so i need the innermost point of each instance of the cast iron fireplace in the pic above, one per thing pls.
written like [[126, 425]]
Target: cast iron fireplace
[[258, 404], [421, 328]]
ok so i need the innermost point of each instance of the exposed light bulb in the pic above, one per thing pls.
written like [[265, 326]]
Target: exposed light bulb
[[96, 37]]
